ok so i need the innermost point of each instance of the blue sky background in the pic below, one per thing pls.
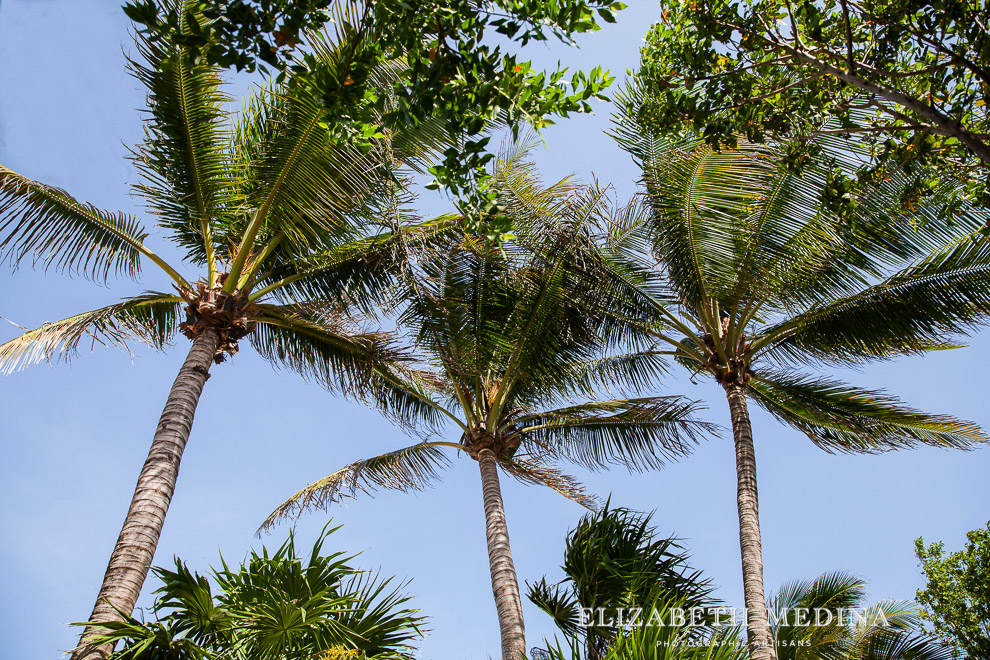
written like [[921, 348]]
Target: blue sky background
[[74, 436]]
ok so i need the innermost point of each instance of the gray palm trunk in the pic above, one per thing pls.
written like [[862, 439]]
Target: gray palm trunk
[[135, 549], [757, 622], [505, 584]]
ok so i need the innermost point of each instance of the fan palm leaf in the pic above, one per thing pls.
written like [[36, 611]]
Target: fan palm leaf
[[824, 619]]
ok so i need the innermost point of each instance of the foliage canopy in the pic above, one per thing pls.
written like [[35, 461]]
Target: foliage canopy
[[449, 72], [908, 78]]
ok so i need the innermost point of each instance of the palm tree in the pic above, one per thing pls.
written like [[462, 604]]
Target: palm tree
[[515, 333], [278, 605], [279, 217], [614, 561], [676, 639], [845, 629], [764, 269]]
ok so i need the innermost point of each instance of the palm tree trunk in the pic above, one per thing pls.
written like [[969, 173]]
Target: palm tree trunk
[[135, 549], [505, 584], [757, 623]]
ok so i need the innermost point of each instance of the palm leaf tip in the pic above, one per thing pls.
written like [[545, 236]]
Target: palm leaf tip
[[840, 418], [411, 468], [534, 472], [640, 434], [151, 318], [59, 231]]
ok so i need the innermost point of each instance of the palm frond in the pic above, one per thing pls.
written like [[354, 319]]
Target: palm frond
[[840, 418], [891, 630], [913, 310], [532, 471], [699, 200], [151, 318], [184, 159], [525, 198], [59, 231], [624, 372], [410, 468], [829, 597], [767, 235], [362, 273], [303, 185], [368, 366], [559, 603], [638, 433]]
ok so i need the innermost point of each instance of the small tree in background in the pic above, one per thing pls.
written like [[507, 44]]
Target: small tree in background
[[957, 596], [887, 630], [615, 559], [275, 606]]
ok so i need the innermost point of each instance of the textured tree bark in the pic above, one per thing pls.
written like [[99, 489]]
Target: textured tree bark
[[761, 645], [505, 584], [132, 556]]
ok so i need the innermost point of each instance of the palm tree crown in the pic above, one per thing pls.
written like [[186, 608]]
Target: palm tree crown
[[519, 339], [287, 229], [763, 269]]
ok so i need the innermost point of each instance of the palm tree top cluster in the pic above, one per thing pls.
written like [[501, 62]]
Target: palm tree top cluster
[[525, 354]]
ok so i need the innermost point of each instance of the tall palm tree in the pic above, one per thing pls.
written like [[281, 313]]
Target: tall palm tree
[[615, 561], [288, 230], [845, 629], [515, 334], [766, 269]]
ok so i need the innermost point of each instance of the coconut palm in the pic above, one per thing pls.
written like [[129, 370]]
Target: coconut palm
[[615, 561], [277, 605], [837, 625], [766, 269], [516, 334], [288, 230]]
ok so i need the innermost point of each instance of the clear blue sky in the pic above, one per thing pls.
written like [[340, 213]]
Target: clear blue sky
[[74, 436]]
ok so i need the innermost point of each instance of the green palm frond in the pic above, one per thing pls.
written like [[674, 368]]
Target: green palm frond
[[380, 620], [841, 418], [891, 630], [765, 234], [916, 309], [151, 318], [361, 273], [185, 160], [628, 371], [532, 471], [147, 641], [369, 366], [304, 187], [278, 603], [559, 602], [838, 594], [837, 627], [638, 433], [699, 199], [410, 468], [525, 198], [299, 183], [56, 230]]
